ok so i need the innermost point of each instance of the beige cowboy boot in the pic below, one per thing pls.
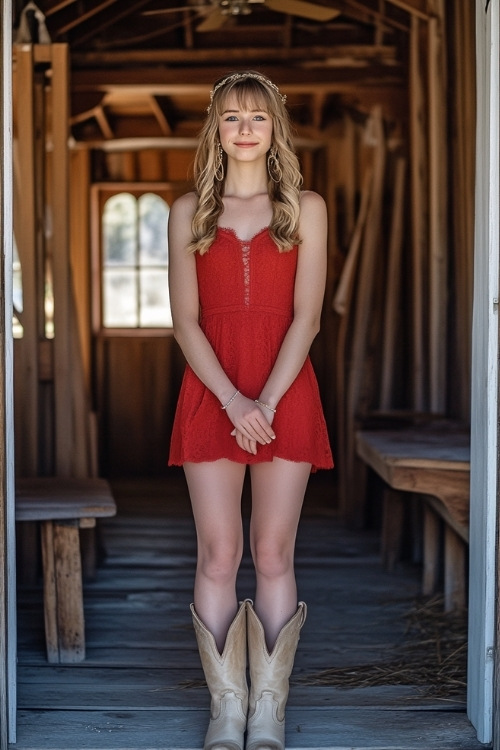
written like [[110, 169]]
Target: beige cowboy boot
[[227, 683], [269, 674]]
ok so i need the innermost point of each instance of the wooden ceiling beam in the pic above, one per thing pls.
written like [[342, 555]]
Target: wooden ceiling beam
[[149, 142], [198, 80], [229, 55]]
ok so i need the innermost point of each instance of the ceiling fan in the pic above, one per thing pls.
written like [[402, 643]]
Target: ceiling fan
[[217, 12]]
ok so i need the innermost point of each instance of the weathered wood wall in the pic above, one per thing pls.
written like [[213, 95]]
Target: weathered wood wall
[[53, 425]]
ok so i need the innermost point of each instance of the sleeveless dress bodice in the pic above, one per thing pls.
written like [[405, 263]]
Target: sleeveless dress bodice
[[246, 292]]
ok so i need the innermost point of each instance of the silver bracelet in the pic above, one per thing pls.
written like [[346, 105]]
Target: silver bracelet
[[230, 400], [261, 403]]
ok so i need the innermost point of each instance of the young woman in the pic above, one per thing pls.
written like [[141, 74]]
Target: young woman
[[247, 280]]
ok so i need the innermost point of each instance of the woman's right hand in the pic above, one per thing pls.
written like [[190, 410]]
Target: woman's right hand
[[250, 423]]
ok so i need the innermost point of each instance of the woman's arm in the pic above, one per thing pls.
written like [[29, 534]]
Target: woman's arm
[[184, 300], [308, 299]]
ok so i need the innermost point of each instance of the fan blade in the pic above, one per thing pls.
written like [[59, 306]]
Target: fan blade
[[304, 9], [213, 21]]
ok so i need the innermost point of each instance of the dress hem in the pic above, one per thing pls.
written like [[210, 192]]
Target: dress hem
[[314, 467]]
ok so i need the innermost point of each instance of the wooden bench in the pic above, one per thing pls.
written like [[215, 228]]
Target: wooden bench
[[431, 460], [63, 506]]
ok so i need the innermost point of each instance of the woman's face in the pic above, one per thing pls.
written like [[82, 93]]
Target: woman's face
[[245, 132]]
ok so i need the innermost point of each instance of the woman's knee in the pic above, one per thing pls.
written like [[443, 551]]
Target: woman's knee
[[271, 559], [220, 561]]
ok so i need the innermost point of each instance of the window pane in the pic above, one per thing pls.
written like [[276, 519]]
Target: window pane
[[155, 300], [120, 298], [153, 217], [119, 226]]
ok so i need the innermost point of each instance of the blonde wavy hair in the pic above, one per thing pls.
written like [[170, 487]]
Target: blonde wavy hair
[[252, 91]]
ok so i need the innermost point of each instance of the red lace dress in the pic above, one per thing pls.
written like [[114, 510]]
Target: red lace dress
[[246, 305]]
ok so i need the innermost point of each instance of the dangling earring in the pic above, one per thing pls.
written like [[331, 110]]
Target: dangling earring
[[273, 165], [219, 165]]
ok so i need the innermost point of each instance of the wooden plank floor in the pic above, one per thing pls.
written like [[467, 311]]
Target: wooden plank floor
[[141, 687]]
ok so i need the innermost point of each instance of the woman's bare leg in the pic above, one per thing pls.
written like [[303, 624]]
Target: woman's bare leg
[[278, 490], [215, 489]]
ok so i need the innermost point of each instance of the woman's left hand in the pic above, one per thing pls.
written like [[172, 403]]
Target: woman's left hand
[[247, 444]]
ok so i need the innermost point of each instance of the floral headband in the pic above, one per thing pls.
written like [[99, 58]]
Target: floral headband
[[242, 76]]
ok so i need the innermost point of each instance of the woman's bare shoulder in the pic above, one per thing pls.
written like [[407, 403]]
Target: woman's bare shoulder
[[179, 222], [311, 201], [312, 208], [184, 207]]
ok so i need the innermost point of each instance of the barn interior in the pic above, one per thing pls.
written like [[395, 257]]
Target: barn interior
[[108, 100]]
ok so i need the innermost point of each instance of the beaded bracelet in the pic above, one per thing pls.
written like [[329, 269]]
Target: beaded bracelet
[[261, 403], [230, 400]]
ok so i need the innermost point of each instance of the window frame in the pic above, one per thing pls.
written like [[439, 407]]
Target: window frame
[[101, 192]]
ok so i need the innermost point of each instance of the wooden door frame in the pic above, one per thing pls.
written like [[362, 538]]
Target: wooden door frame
[[7, 520], [484, 398]]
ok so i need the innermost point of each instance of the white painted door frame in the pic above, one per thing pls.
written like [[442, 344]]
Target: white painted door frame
[[8, 646], [484, 409]]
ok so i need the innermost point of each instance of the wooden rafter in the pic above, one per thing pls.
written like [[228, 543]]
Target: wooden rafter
[[58, 7], [409, 8], [160, 116], [85, 17], [188, 30], [104, 24], [103, 122], [359, 11]]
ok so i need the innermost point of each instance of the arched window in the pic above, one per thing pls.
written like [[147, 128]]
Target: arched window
[[135, 262]]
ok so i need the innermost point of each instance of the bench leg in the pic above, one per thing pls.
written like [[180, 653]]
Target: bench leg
[[454, 571], [432, 528], [63, 592], [392, 528]]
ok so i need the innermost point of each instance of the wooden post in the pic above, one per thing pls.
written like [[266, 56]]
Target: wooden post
[[63, 598], [59, 200], [391, 543], [25, 223], [392, 297], [342, 305], [432, 528], [454, 571], [438, 235], [418, 229], [363, 314], [463, 116], [7, 524]]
